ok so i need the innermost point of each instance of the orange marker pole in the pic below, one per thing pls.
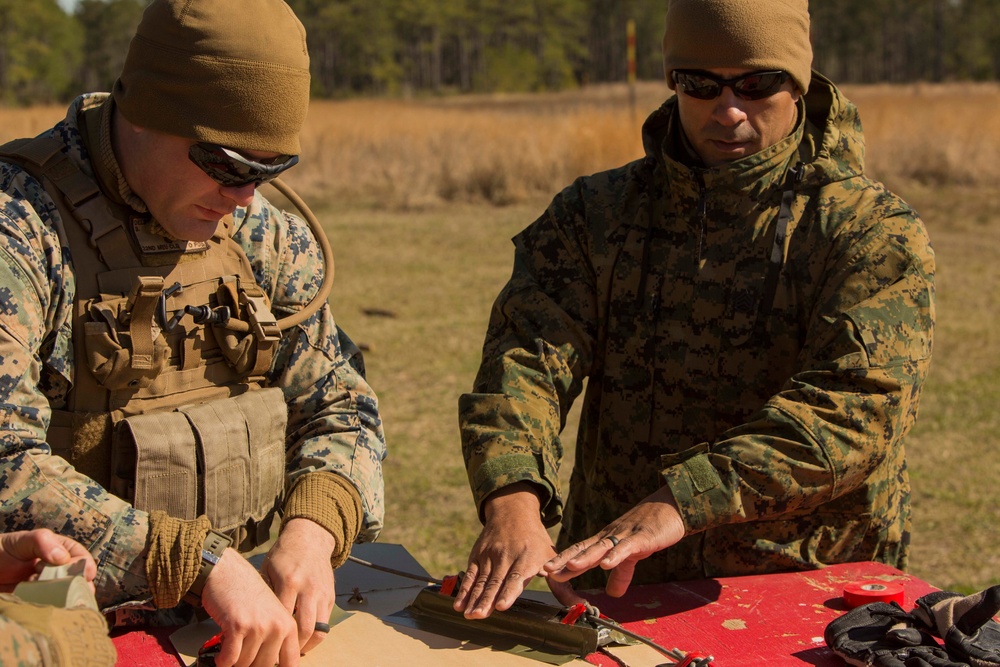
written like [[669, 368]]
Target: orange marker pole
[[630, 41]]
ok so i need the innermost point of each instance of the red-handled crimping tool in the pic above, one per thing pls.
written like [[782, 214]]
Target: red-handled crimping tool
[[209, 651]]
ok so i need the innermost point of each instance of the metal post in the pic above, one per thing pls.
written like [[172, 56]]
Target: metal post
[[630, 37]]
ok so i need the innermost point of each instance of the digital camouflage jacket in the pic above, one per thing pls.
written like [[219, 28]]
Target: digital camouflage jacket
[[333, 419], [766, 367]]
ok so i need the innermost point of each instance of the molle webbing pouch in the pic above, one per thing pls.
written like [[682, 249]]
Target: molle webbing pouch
[[224, 458], [248, 353], [124, 348]]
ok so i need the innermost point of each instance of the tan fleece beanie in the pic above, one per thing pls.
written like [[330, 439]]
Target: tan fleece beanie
[[231, 72], [739, 34]]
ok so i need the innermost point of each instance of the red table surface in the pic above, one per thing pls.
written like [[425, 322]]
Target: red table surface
[[768, 620]]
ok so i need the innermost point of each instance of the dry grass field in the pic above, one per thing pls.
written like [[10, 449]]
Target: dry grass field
[[421, 198]]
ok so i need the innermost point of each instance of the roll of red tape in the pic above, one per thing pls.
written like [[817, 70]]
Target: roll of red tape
[[863, 592]]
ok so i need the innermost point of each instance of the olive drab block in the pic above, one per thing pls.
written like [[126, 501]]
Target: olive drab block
[[60, 586], [754, 336], [148, 355]]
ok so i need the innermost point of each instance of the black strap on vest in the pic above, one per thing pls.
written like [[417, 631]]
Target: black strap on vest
[[777, 259]]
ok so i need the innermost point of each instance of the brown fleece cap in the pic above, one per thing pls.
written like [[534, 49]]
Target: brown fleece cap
[[739, 34], [230, 72]]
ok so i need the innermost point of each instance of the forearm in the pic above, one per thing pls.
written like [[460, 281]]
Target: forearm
[[41, 490], [538, 349], [520, 501], [333, 420], [331, 502], [504, 443], [512, 420], [792, 456]]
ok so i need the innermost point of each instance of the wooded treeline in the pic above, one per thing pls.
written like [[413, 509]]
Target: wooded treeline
[[395, 47]]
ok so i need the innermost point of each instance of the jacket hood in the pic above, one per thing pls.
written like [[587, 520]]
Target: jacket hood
[[831, 146]]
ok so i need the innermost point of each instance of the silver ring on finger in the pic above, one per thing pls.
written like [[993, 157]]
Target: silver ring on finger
[[614, 541]]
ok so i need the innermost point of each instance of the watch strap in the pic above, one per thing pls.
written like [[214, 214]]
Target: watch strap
[[215, 545]]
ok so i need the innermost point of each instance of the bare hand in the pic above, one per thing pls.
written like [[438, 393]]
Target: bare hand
[[259, 631], [298, 568], [652, 525], [23, 553], [509, 552]]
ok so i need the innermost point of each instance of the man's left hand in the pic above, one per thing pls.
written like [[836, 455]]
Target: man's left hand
[[652, 525], [299, 570]]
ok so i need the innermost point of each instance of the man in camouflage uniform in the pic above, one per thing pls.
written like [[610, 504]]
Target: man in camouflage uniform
[[752, 315], [208, 106], [34, 634]]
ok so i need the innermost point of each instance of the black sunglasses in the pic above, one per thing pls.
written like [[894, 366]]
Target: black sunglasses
[[753, 86], [227, 167]]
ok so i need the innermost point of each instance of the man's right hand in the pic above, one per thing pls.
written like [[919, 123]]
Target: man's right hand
[[23, 552], [511, 550], [258, 630]]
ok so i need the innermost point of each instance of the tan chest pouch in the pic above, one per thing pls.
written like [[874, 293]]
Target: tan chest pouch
[[224, 458], [131, 341]]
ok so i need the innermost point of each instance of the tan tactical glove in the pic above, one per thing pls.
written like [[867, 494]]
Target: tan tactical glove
[[76, 637]]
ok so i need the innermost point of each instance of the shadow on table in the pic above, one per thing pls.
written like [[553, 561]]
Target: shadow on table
[[655, 601], [815, 656], [836, 604]]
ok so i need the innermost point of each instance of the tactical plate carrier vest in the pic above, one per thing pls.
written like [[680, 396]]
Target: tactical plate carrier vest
[[171, 341]]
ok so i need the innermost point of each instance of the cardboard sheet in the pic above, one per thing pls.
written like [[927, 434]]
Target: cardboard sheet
[[366, 640], [361, 588]]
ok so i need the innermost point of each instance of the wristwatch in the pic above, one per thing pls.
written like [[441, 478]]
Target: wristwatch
[[215, 545]]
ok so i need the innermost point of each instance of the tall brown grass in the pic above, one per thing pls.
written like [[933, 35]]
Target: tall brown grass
[[504, 149], [28, 121], [947, 134], [418, 153]]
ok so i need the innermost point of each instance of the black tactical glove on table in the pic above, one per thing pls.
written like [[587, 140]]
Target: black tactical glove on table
[[965, 624], [883, 635]]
